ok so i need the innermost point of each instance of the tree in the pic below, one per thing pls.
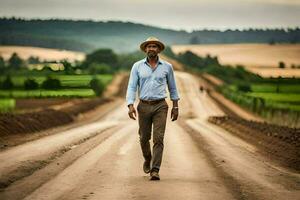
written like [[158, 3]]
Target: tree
[[168, 52], [98, 86], [244, 87], [99, 68], [7, 83], [293, 66], [106, 56], [30, 84], [33, 60], [51, 83], [272, 42], [68, 68], [2, 64], [281, 65], [15, 61], [194, 40], [125, 61], [47, 69]]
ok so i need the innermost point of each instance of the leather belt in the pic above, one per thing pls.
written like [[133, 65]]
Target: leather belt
[[152, 101]]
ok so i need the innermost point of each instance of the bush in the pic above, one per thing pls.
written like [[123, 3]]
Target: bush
[[68, 68], [244, 87], [33, 60], [97, 86], [168, 52], [7, 84], [30, 84], [2, 63], [95, 68], [51, 83], [15, 61], [281, 65], [99, 56]]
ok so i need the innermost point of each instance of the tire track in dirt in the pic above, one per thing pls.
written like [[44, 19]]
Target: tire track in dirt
[[24, 186]]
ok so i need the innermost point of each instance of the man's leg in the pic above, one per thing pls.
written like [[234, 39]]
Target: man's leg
[[145, 128], [159, 126]]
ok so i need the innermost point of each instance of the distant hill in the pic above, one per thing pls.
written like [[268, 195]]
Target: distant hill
[[123, 36]]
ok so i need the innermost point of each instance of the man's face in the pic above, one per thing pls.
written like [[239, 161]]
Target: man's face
[[152, 50]]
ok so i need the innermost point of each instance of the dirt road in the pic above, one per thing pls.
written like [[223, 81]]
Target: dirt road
[[103, 160]]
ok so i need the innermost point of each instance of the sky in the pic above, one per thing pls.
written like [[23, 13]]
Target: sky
[[175, 14]]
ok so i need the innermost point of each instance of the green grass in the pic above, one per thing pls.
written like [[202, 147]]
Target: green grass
[[47, 93], [81, 80], [280, 97], [72, 86], [74, 81], [7, 104], [282, 88], [283, 96]]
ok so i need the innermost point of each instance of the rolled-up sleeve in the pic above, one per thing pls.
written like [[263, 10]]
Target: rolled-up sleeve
[[132, 85], [172, 84]]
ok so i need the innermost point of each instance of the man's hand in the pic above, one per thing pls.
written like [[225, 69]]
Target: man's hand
[[174, 113], [132, 112]]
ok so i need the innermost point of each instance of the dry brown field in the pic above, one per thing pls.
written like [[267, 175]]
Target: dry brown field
[[262, 59], [42, 53]]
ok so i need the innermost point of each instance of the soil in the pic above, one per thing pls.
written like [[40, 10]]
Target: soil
[[103, 160], [25, 105], [280, 143], [12, 124], [35, 116]]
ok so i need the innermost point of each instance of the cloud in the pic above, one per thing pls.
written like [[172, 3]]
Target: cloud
[[177, 14]]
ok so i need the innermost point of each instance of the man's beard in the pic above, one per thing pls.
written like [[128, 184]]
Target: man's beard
[[152, 55]]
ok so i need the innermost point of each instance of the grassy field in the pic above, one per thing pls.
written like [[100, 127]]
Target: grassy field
[[281, 93], [73, 86], [272, 101], [262, 59], [70, 93], [281, 88], [72, 81], [279, 97], [272, 88], [7, 104]]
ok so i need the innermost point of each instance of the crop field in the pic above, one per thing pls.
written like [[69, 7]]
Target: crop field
[[73, 86], [7, 104], [280, 97], [47, 93], [262, 59], [70, 81], [41, 53], [281, 88]]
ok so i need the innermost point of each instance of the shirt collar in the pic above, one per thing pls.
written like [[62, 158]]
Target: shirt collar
[[145, 60]]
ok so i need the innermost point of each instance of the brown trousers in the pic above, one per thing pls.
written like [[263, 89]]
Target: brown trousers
[[156, 115]]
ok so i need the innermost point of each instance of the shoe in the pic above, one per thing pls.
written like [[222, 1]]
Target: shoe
[[146, 166], [154, 176]]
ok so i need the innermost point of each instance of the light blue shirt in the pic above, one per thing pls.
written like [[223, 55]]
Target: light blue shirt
[[151, 82]]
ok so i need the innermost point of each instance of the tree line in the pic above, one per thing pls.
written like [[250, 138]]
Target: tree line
[[88, 36], [101, 61]]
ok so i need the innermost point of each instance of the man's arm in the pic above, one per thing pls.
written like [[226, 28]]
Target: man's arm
[[173, 94], [131, 91], [175, 110]]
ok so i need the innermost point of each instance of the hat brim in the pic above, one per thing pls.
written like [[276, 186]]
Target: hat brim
[[158, 43]]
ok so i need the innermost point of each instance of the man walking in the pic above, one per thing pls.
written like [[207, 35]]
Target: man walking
[[150, 76]]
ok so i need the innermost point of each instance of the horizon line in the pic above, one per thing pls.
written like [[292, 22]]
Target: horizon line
[[154, 26]]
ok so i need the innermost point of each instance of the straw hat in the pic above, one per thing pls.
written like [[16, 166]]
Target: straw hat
[[152, 40]]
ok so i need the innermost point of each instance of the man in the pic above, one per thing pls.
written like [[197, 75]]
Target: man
[[151, 75]]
